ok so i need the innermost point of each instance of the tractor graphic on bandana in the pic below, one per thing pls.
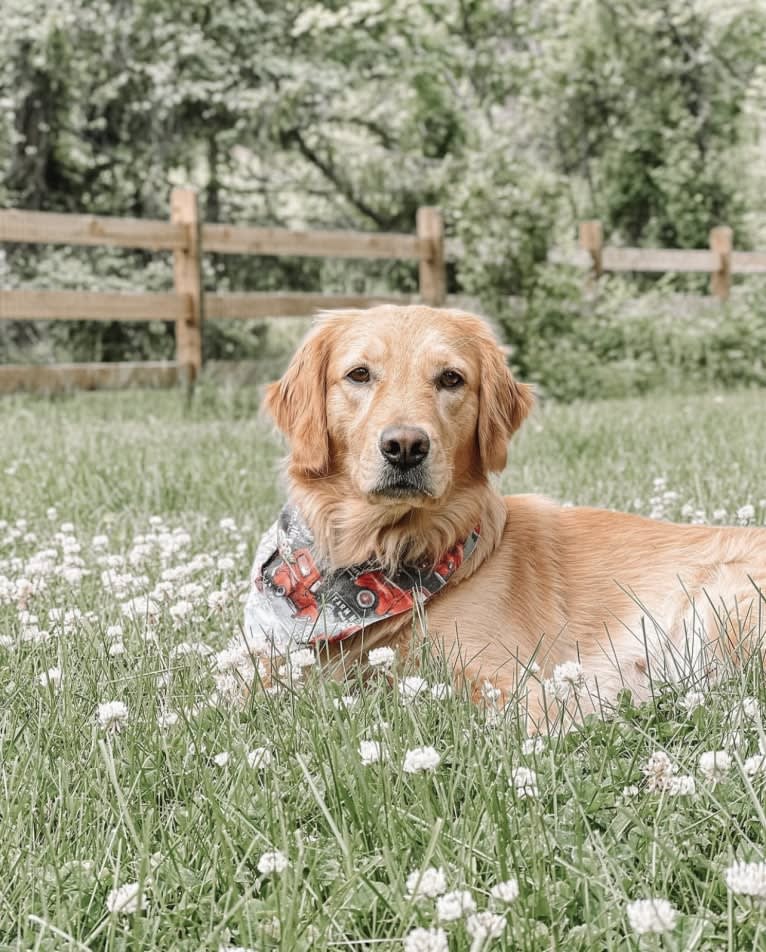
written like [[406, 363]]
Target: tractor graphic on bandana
[[294, 601]]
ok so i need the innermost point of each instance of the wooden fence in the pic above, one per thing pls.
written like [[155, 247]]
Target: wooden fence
[[187, 237], [720, 260], [187, 305]]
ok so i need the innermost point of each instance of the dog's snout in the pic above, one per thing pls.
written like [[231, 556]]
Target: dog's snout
[[404, 446]]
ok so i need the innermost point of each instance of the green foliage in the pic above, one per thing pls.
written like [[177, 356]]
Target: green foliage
[[517, 119], [650, 118], [609, 343], [504, 211]]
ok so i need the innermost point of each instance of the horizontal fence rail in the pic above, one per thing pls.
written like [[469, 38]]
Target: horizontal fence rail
[[649, 259], [720, 260], [240, 240], [56, 229], [92, 306], [189, 240]]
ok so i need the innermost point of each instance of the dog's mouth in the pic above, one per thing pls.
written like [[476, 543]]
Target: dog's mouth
[[409, 485]]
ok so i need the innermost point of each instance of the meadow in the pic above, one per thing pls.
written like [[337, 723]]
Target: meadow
[[149, 802]]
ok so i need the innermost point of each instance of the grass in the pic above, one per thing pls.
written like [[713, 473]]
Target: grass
[[84, 809]]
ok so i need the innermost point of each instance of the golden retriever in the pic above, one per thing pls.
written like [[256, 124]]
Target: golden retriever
[[396, 417]]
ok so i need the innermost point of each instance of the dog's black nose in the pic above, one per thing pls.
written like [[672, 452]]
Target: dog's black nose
[[404, 446]]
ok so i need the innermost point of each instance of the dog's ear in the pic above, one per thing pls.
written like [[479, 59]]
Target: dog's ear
[[297, 403], [503, 406]]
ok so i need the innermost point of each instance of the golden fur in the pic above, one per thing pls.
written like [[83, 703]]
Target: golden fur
[[627, 596]]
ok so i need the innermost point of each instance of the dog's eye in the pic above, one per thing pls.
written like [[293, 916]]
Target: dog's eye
[[450, 380], [359, 375]]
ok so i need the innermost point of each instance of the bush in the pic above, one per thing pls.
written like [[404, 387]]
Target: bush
[[608, 343]]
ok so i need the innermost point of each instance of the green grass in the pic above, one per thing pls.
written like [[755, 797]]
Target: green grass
[[83, 810]]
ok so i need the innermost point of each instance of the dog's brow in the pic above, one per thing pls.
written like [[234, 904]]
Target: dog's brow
[[463, 341]]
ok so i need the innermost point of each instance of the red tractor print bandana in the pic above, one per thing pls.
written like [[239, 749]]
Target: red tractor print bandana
[[293, 602]]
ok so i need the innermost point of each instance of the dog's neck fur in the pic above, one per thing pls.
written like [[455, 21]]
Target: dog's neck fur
[[349, 530]]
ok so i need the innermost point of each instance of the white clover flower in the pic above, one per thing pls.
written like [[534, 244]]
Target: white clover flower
[[411, 687], [302, 658], [370, 752], [489, 693], [533, 668], [629, 792], [167, 719], [454, 905], [51, 678], [126, 899], [692, 700], [719, 515], [747, 879], [116, 649], [507, 891], [745, 514], [273, 862], [651, 915], [226, 564], [568, 679], [216, 601], [524, 782], [382, 658], [182, 609], [714, 764], [140, 608], [222, 759], [427, 883], [683, 786], [421, 759], [484, 925], [426, 940], [260, 758], [114, 632], [659, 771], [112, 715], [533, 745], [755, 765], [441, 692]]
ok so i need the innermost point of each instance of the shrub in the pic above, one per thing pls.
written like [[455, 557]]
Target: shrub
[[607, 343]]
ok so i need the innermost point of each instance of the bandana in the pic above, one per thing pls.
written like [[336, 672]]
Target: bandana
[[295, 602]]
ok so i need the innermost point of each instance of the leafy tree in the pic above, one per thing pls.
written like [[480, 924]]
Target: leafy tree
[[517, 117], [649, 116]]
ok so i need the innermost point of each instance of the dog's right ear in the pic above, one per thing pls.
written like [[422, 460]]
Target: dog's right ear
[[297, 403]]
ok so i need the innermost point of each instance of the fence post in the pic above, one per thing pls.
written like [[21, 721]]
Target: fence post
[[721, 241], [432, 273], [187, 280], [592, 241]]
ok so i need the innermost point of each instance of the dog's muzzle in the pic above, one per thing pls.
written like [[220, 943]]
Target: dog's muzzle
[[404, 450]]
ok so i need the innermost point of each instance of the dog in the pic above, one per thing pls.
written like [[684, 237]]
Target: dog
[[396, 417]]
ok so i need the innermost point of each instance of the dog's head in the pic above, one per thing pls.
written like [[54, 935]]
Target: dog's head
[[400, 404]]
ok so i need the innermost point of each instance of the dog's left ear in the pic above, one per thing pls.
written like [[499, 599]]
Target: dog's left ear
[[297, 403], [503, 406]]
